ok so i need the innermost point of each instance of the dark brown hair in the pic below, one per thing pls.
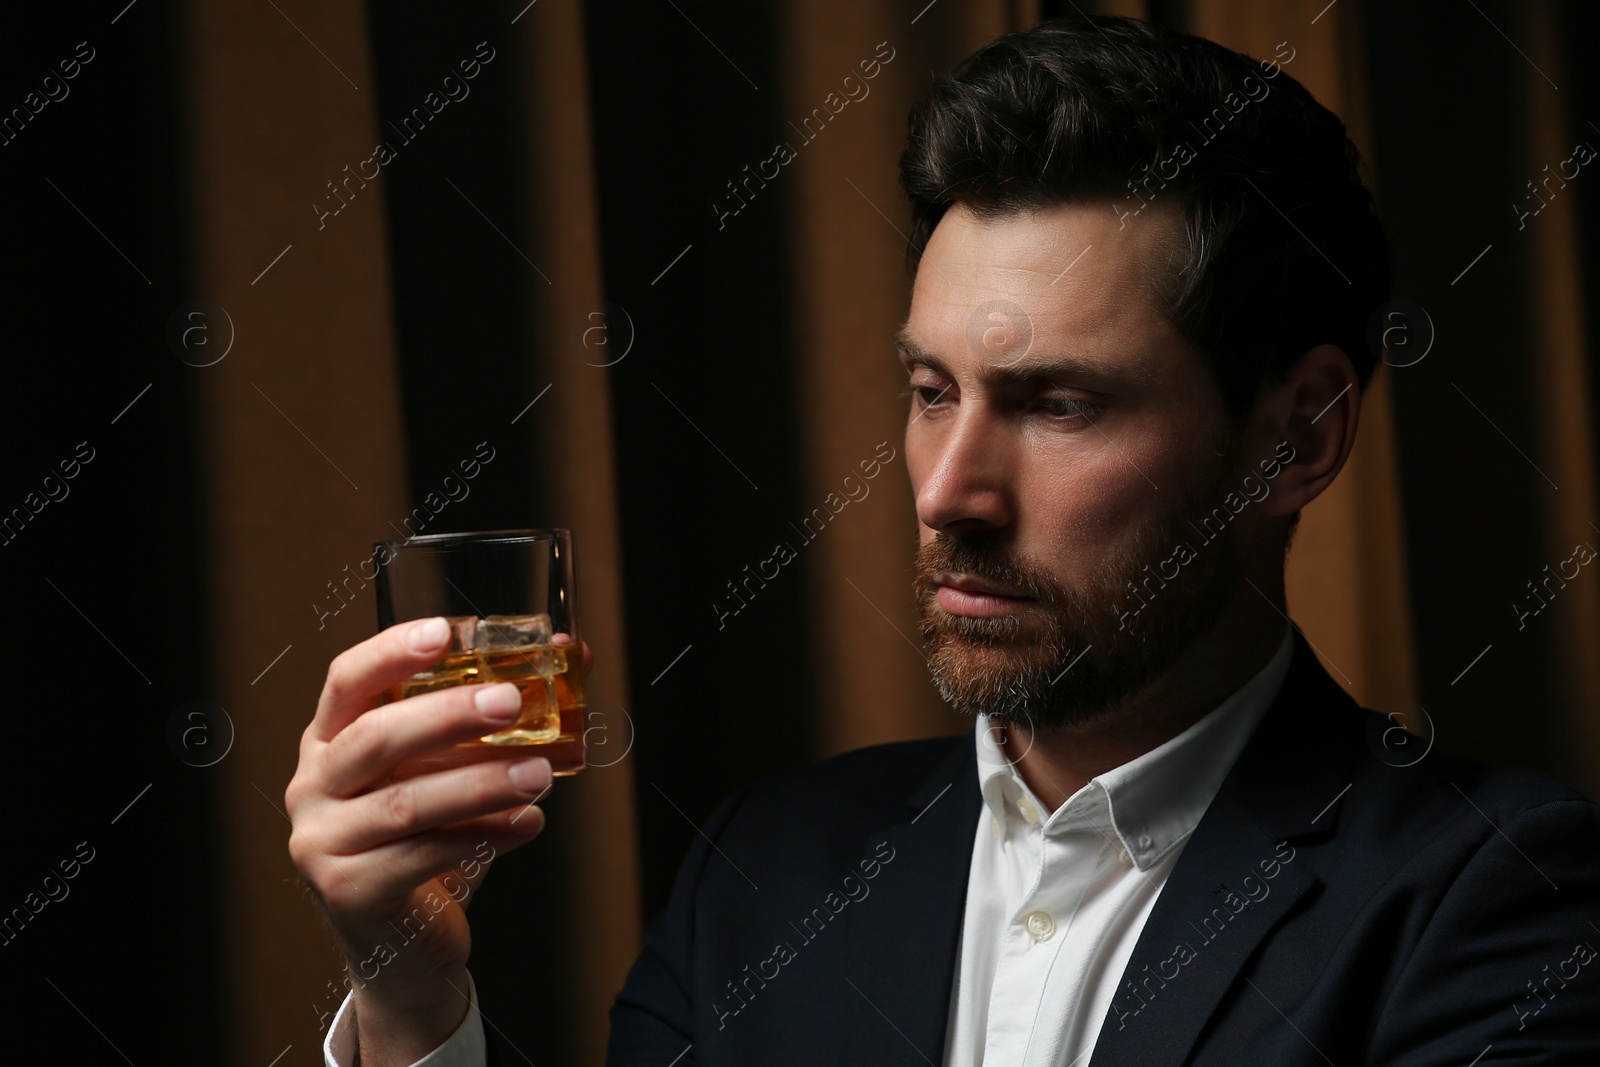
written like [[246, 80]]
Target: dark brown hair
[[1283, 251]]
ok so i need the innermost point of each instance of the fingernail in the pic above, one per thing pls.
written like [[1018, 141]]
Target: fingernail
[[428, 635], [497, 703], [530, 775]]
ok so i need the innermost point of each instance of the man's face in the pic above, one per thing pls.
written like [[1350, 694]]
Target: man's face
[[1062, 436]]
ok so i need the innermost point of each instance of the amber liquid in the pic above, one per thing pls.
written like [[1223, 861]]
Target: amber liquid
[[550, 724]]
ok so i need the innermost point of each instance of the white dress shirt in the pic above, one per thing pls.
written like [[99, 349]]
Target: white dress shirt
[[1055, 903], [464, 1048]]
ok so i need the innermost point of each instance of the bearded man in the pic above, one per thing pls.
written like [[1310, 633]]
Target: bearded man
[[1144, 266]]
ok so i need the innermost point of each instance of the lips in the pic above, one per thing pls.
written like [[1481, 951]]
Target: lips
[[974, 597]]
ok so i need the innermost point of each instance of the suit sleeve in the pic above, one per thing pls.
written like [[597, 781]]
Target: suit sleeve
[[652, 1019], [1507, 967]]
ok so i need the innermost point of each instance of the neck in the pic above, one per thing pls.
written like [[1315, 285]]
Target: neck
[[1056, 763]]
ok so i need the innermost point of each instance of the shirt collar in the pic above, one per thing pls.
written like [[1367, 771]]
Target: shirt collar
[[1155, 800]]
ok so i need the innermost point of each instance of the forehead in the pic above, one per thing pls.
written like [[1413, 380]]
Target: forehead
[[1067, 279]]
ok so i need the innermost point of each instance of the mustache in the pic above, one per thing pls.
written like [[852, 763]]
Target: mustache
[[982, 557]]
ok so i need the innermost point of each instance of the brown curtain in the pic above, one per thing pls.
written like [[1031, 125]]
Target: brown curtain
[[600, 876], [1564, 384], [1346, 579], [312, 377], [316, 330]]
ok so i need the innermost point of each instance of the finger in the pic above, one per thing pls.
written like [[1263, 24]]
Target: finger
[[367, 751], [380, 878], [474, 874], [431, 801], [358, 676], [560, 639], [512, 828]]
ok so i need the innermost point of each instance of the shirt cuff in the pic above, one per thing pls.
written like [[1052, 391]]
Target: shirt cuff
[[464, 1048]]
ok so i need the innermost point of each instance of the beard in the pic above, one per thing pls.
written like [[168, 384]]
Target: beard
[[1076, 653]]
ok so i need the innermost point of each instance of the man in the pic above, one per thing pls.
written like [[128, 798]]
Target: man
[[1144, 268]]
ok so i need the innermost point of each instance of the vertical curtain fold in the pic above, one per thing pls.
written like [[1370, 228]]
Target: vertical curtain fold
[[311, 371], [849, 293], [1562, 390], [848, 296], [573, 337], [1346, 576]]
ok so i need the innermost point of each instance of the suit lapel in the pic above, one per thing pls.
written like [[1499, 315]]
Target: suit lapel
[[903, 939], [1208, 919]]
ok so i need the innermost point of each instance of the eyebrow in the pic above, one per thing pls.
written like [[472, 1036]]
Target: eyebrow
[[1029, 369]]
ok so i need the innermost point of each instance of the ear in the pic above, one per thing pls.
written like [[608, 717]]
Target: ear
[[1314, 412]]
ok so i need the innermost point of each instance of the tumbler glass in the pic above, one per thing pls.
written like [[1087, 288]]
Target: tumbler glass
[[511, 601]]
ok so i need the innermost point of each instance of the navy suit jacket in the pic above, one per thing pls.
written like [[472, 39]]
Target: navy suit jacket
[[1331, 908]]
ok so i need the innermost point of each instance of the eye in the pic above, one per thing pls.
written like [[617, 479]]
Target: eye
[[1064, 408], [925, 395]]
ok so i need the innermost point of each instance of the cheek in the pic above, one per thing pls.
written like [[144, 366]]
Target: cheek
[[1086, 505], [1086, 513]]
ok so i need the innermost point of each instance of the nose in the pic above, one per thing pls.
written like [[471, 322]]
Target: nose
[[966, 470]]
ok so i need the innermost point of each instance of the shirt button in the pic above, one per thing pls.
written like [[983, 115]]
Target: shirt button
[[1039, 924], [1029, 812], [1123, 857]]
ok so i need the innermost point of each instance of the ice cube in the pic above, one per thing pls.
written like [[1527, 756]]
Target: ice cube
[[547, 661], [513, 631], [463, 632]]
